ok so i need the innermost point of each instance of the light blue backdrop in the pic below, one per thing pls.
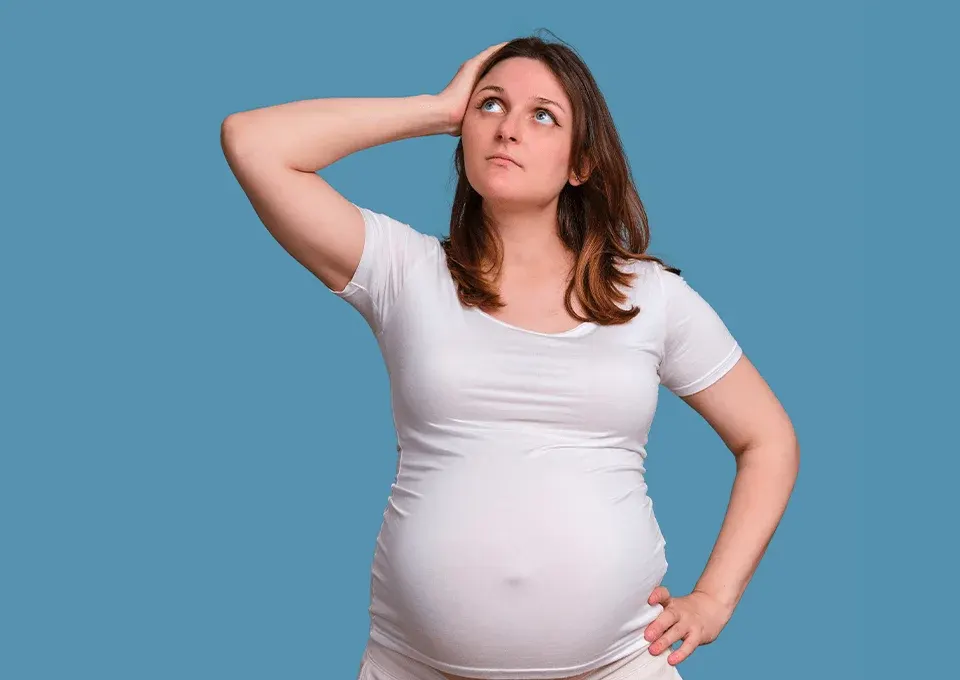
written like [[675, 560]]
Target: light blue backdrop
[[198, 444]]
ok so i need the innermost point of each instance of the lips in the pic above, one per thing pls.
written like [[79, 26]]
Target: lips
[[504, 157]]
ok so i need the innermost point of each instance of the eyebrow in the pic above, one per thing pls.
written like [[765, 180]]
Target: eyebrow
[[542, 100]]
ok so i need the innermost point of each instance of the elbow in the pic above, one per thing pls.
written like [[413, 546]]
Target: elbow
[[776, 452], [230, 133], [238, 141]]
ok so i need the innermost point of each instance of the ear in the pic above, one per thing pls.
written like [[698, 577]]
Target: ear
[[576, 179]]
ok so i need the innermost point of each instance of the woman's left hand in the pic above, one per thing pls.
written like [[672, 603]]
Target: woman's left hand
[[698, 618]]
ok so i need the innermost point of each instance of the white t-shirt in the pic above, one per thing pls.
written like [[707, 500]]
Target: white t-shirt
[[518, 540]]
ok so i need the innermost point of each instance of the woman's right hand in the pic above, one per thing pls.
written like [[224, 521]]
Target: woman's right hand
[[456, 95]]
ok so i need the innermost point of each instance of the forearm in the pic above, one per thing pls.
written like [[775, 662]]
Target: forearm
[[311, 134], [761, 489]]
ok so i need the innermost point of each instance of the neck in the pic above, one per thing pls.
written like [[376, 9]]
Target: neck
[[531, 242]]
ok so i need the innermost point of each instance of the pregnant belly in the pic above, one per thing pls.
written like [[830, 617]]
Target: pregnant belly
[[480, 570]]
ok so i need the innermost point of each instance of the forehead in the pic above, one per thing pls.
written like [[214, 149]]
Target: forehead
[[523, 78]]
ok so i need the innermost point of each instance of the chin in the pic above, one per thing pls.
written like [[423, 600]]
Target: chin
[[503, 195], [499, 188]]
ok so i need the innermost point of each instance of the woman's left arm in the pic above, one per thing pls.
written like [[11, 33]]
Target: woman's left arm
[[749, 418]]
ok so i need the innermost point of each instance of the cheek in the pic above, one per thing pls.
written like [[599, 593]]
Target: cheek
[[552, 161], [473, 130], [473, 146]]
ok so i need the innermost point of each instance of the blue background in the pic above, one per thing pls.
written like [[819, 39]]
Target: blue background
[[197, 444]]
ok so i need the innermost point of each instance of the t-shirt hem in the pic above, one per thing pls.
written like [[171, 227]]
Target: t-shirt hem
[[353, 285], [632, 646], [713, 376]]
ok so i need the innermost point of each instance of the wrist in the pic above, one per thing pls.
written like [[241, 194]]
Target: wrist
[[726, 601], [443, 115]]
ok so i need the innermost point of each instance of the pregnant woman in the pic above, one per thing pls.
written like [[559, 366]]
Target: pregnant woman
[[524, 352]]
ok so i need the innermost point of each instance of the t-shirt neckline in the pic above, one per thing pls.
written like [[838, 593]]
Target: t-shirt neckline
[[577, 331]]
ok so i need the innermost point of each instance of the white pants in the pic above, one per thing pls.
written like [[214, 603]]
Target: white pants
[[382, 663]]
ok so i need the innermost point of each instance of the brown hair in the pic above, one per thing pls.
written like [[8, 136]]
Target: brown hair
[[599, 220]]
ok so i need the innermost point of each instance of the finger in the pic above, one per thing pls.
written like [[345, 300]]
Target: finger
[[659, 595], [686, 649], [666, 619], [490, 50], [669, 636]]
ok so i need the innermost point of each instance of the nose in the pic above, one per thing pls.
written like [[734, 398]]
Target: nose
[[508, 129]]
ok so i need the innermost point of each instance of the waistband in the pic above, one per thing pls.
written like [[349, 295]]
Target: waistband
[[398, 666]]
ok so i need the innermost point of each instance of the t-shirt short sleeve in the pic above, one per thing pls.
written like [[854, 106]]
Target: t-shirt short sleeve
[[391, 249], [698, 347]]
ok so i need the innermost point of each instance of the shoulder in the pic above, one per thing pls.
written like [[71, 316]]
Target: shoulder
[[393, 254], [397, 237], [396, 228], [647, 277]]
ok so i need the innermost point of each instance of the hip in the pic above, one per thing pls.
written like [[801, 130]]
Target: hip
[[380, 662]]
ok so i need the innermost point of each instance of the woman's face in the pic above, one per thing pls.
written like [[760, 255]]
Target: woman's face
[[508, 114]]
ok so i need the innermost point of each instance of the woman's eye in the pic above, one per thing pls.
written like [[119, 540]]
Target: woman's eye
[[493, 100], [548, 114]]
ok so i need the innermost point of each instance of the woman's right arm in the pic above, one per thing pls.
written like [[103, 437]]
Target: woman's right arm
[[274, 153]]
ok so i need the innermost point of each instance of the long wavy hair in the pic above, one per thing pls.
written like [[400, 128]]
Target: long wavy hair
[[600, 220]]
